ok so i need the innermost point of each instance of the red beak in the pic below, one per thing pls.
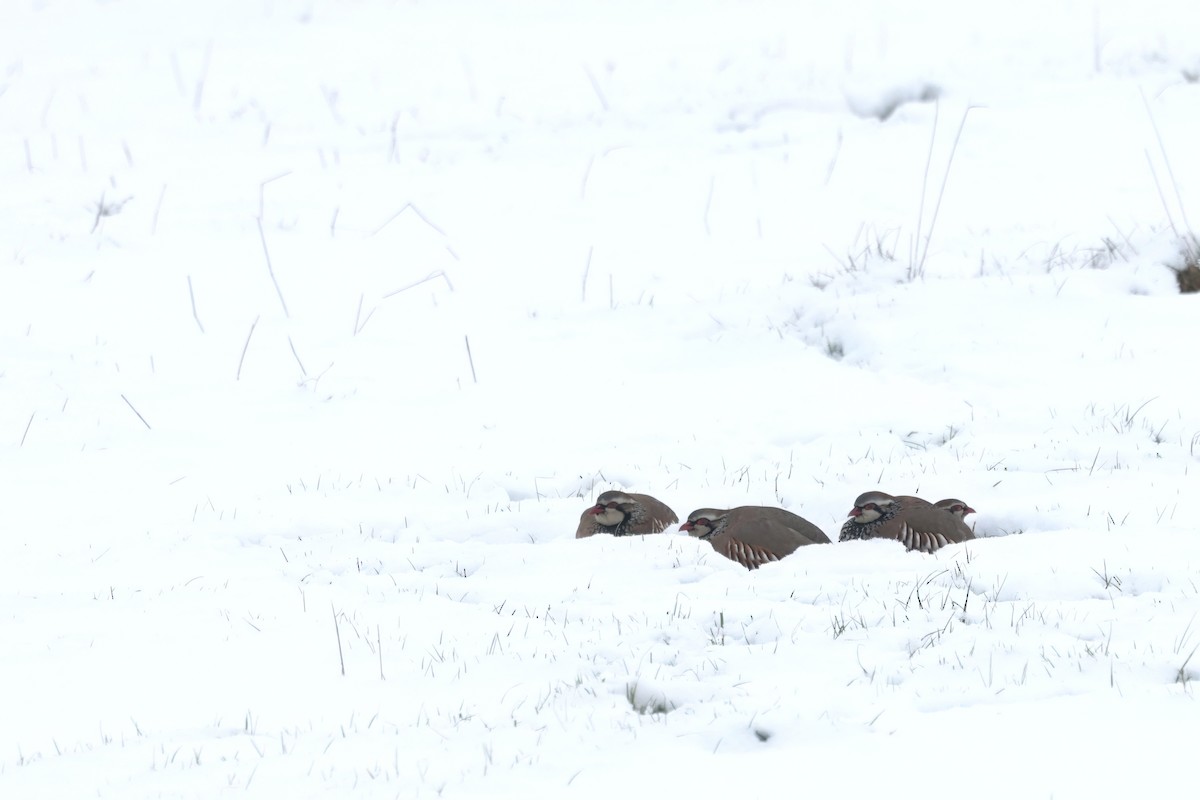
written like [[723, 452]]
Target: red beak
[[968, 510], [687, 526], [596, 510], [854, 512]]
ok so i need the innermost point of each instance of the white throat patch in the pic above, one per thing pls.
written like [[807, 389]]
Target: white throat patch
[[610, 517], [868, 516]]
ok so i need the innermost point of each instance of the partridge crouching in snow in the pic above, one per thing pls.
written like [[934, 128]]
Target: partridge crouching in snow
[[752, 535], [625, 514], [959, 510], [913, 522]]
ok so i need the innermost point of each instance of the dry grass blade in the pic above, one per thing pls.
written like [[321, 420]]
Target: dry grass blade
[[918, 270], [131, 408], [270, 269], [246, 347]]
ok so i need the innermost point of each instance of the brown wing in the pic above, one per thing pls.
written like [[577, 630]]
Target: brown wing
[[912, 501], [927, 529], [808, 532], [781, 535], [755, 535], [658, 516]]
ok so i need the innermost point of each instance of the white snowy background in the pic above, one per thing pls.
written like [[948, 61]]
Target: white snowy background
[[321, 322]]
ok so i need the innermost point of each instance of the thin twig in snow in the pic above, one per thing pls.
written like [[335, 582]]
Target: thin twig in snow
[[262, 191], [942, 191], [587, 172], [134, 410], [379, 649], [1167, 160], [1161, 197], [358, 327], [912, 255], [192, 295], [99, 213], [1124, 236], [246, 347], [406, 207], [833, 161], [586, 269], [46, 112], [595, 87], [367, 318], [394, 147], [415, 284], [470, 360], [303, 371], [199, 94], [26, 433], [338, 631], [271, 270], [157, 207]]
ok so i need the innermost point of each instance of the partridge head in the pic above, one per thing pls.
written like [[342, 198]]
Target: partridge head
[[959, 510], [956, 507]]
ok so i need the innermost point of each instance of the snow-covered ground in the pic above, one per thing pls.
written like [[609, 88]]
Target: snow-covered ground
[[322, 322]]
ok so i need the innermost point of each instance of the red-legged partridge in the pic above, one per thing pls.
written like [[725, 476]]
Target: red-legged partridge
[[625, 514], [752, 535], [913, 522], [959, 510]]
